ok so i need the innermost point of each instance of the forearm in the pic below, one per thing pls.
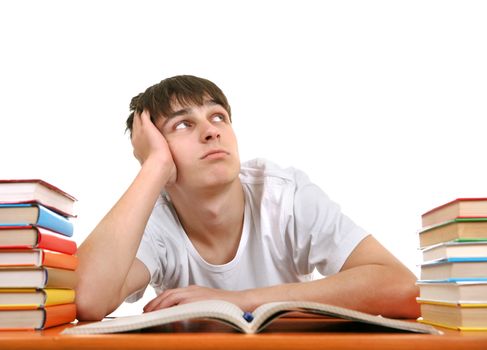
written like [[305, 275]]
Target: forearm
[[107, 254], [377, 289]]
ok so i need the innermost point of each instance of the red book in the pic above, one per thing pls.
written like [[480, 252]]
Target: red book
[[30, 236], [458, 208]]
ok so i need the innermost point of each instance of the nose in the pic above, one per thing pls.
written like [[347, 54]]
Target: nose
[[210, 132]]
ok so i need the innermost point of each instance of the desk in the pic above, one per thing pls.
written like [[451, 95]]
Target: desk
[[282, 334]]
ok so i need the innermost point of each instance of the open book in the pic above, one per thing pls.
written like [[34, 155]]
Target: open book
[[245, 322]]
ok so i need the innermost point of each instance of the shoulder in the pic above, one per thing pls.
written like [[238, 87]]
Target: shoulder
[[290, 187]]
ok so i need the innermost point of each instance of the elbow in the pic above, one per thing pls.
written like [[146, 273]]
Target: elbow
[[90, 306], [407, 305], [402, 294], [88, 311]]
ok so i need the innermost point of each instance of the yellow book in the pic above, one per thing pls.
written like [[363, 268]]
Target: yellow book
[[463, 316], [30, 298], [456, 328]]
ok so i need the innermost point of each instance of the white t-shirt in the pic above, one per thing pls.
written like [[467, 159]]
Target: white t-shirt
[[290, 228]]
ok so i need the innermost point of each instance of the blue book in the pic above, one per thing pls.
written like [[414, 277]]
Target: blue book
[[34, 214], [455, 280], [455, 269], [455, 260]]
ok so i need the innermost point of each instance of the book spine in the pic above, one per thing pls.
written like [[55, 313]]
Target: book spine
[[57, 244], [45, 279], [54, 296], [60, 260], [58, 314], [60, 278], [50, 220]]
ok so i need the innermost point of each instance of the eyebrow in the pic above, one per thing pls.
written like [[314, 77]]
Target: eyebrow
[[188, 110]]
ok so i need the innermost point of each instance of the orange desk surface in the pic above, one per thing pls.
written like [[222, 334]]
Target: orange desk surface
[[282, 334]]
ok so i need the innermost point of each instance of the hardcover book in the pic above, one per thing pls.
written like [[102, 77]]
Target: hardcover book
[[454, 292], [463, 228], [37, 319], [460, 207], [37, 257], [44, 277], [464, 317], [36, 190], [232, 315], [455, 269], [34, 214], [31, 236], [459, 248], [31, 298]]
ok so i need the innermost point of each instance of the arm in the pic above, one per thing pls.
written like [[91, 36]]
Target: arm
[[371, 280], [108, 270]]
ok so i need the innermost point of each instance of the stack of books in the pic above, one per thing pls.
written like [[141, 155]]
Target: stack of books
[[37, 255], [453, 282]]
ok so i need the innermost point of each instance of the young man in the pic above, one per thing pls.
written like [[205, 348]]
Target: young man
[[195, 224]]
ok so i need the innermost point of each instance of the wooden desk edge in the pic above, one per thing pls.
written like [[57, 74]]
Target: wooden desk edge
[[52, 339]]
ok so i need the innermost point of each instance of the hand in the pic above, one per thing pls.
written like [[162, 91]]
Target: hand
[[193, 293], [149, 143]]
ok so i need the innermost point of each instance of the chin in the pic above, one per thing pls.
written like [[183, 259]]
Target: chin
[[220, 176], [219, 179], [217, 174]]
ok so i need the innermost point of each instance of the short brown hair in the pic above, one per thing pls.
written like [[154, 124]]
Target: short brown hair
[[185, 89]]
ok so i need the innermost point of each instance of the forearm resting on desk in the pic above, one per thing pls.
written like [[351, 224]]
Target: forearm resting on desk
[[371, 289], [372, 280]]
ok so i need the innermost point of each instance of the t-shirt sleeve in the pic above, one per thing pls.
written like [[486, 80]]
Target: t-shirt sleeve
[[323, 236]]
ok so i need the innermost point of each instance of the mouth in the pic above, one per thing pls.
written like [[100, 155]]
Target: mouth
[[215, 154]]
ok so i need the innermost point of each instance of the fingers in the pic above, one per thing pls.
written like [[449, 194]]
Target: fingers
[[136, 124], [189, 294], [166, 299], [145, 117], [141, 135], [177, 296], [139, 120]]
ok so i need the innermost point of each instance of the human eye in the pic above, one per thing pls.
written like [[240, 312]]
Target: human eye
[[218, 117], [182, 125]]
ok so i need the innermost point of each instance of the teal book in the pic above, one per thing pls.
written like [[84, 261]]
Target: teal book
[[466, 293], [34, 214], [455, 269]]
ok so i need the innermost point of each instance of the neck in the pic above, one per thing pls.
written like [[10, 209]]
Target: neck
[[212, 219]]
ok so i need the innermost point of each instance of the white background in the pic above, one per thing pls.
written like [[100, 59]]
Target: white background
[[382, 103]]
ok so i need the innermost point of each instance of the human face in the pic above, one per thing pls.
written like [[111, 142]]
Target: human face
[[203, 145]]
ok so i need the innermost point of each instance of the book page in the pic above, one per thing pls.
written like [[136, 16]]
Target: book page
[[264, 315], [214, 309]]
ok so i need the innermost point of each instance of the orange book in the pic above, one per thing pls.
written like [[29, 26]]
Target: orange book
[[37, 257], [31, 236], [41, 318]]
